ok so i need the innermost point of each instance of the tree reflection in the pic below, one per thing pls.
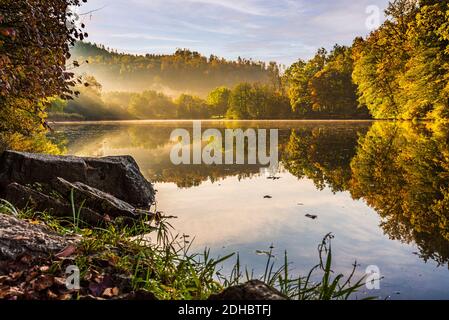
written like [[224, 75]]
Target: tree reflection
[[402, 171], [323, 154]]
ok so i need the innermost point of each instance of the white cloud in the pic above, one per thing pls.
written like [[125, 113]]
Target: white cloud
[[246, 7], [151, 37], [262, 29]]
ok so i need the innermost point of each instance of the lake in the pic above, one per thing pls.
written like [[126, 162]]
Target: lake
[[381, 188]]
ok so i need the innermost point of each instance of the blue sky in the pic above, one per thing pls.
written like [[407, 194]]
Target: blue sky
[[268, 30]]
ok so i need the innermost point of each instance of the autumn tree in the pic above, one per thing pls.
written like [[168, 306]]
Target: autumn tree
[[401, 69], [425, 83], [323, 86], [332, 91], [297, 80], [35, 37]]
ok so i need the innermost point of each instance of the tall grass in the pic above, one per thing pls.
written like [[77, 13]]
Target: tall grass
[[327, 287], [76, 212], [7, 208]]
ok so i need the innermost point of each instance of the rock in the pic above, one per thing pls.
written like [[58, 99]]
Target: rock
[[95, 199], [118, 176], [252, 290], [18, 238], [25, 197], [140, 295]]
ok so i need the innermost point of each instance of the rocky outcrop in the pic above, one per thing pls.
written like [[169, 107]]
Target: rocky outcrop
[[252, 290], [18, 238], [97, 189], [95, 199], [22, 197], [118, 176]]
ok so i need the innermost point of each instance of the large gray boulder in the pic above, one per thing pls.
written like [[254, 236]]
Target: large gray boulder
[[119, 176], [252, 290], [18, 238], [95, 199]]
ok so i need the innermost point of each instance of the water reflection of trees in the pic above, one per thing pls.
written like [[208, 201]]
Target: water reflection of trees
[[323, 154], [399, 169], [402, 171], [187, 176]]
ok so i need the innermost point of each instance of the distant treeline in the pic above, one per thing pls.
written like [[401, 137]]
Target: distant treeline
[[321, 88], [317, 89], [244, 101], [183, 71]]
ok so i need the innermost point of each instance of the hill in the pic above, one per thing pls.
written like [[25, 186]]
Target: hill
[[184, 71]]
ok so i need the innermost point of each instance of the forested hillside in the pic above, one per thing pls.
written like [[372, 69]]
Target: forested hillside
[[183, 71]]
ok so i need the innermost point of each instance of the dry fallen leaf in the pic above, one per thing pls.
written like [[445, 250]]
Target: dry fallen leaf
[[100, 284], [26, 259], [43, 282], [44, 269], [59, 281], [3, 279], [66, 296], [110, 292], [67, 252], [4, 291], [9, 292], [18, 238], [31, 276], [16, 275], [51, 295]]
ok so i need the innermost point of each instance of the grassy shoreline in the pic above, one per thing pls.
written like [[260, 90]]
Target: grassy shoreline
[[166, 268]]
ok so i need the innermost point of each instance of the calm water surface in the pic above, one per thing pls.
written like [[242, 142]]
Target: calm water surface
[[381, 188]]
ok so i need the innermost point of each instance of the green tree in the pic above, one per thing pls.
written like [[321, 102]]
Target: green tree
[[139, 107], [218, 99], [297, 81], [191, 107], [240, 100], [323, 87], [332, 91]]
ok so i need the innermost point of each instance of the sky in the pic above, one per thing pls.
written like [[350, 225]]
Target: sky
[[267, 30]]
